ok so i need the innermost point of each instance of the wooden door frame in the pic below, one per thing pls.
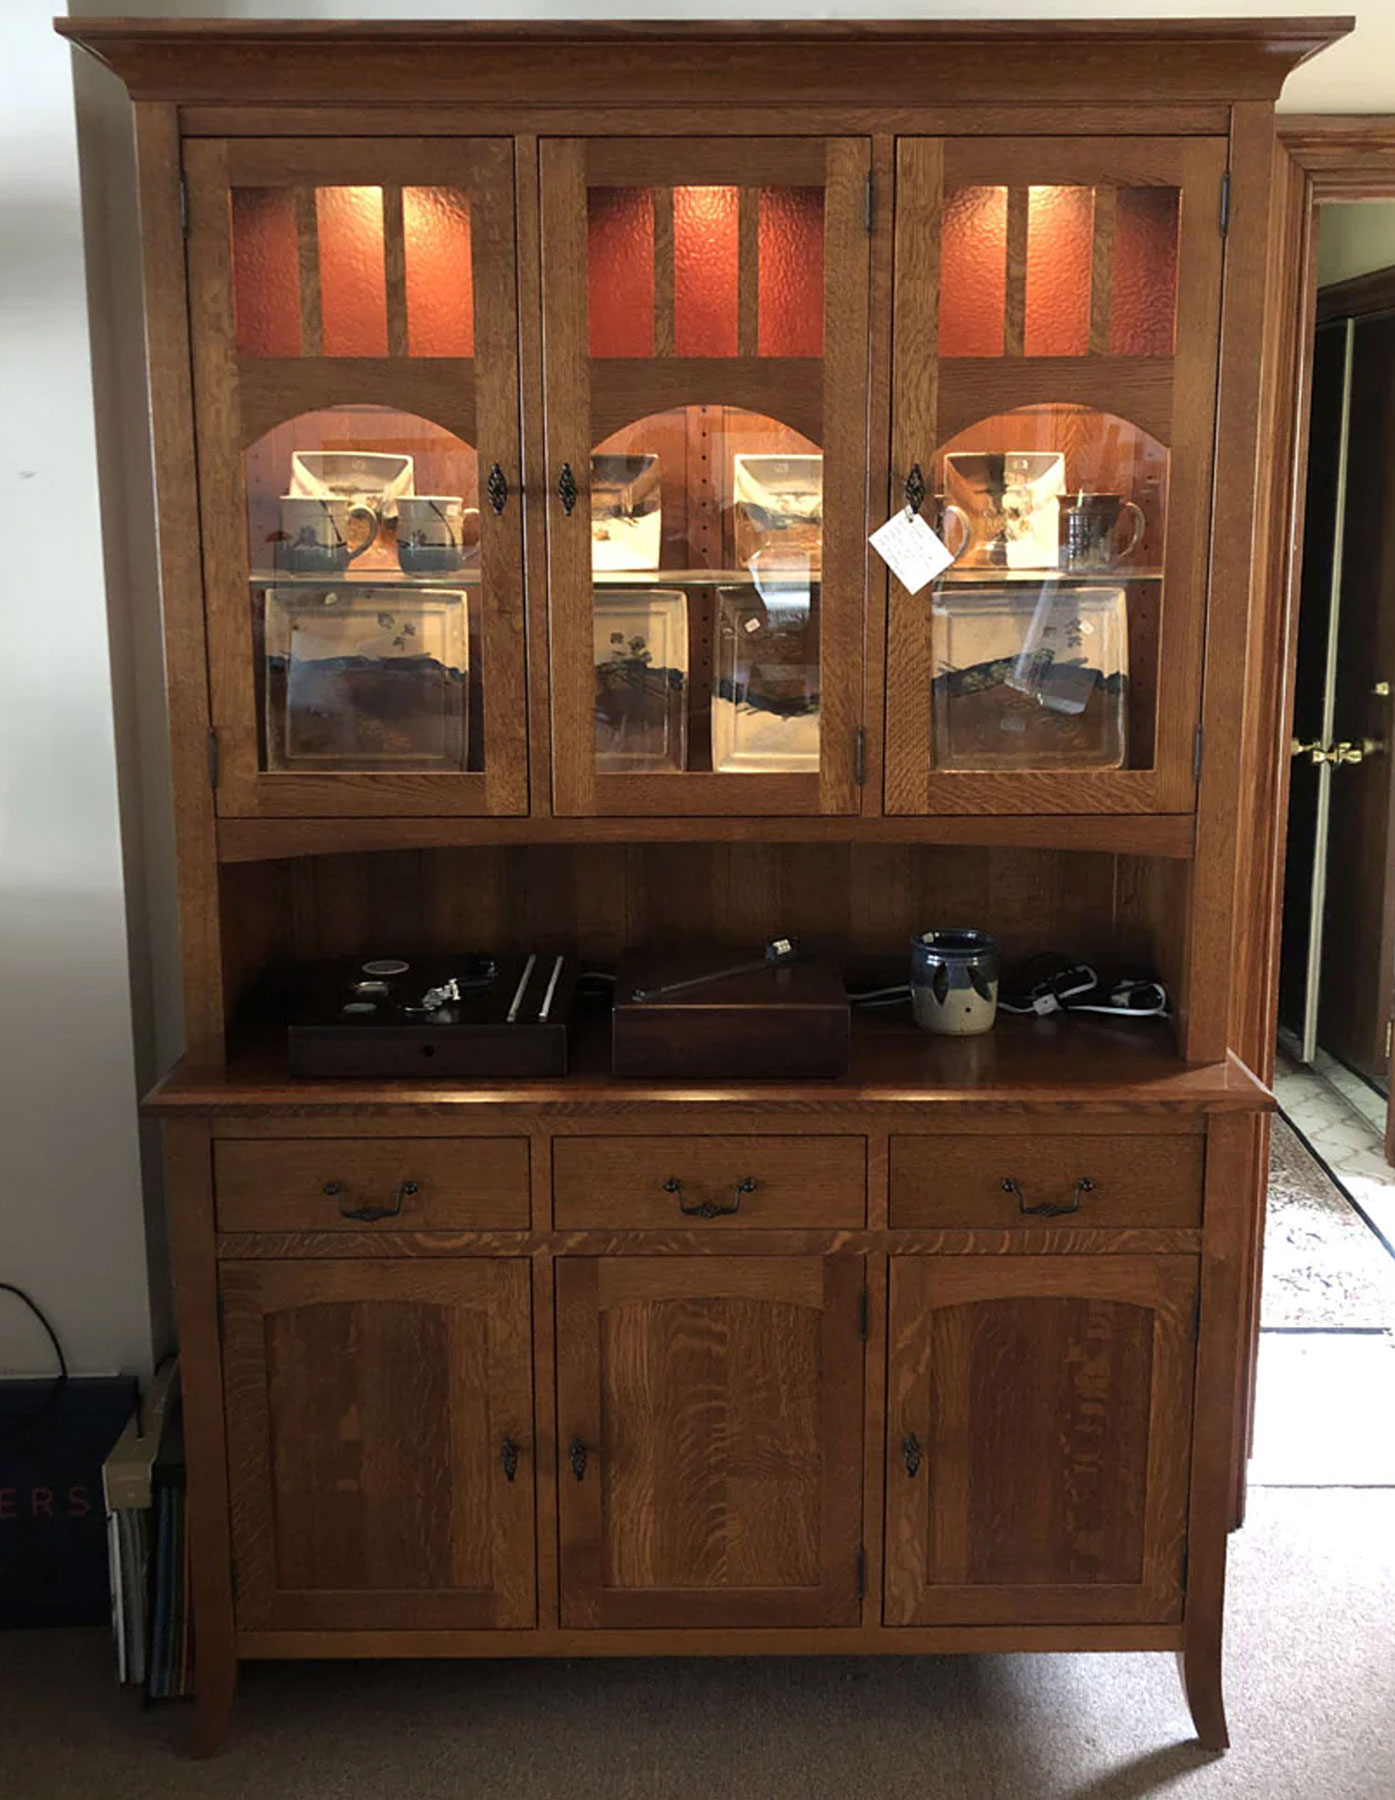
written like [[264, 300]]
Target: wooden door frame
[[1318, 158]]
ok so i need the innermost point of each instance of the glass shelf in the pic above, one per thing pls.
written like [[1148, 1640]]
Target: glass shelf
[[954, 577], [457, 578]]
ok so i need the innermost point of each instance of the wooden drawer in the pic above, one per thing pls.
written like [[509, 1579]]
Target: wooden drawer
[[960, 1180], [422, 1184], [680, 1182]]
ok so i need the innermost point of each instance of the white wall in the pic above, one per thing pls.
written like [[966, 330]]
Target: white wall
[[1354, 238], [76, 724]]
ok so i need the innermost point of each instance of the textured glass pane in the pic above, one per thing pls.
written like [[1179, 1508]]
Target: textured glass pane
[[705, 307], [353, 286], [973, 272], [440, 288], [1143, 306], [620, 270], [791, 272], [266, 272], [1060, 229]]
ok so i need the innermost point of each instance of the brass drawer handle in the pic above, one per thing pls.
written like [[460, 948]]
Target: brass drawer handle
[[1049, 1209], [369, 1212], [709, 1209]]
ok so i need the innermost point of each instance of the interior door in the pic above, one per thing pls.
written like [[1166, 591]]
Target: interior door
[[709, 1416], [354, 329], [379, 1418], [1038, 1438], [705, 309], [1057, 317]]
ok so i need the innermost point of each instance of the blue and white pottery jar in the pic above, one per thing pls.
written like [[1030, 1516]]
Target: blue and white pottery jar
[[954, 982]]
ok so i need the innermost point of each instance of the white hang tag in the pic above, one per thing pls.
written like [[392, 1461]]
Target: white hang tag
[[910, 549]]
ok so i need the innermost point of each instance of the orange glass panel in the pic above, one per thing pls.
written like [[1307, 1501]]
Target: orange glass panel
[[266, 272], [440, 287], [1143, 303], [705, 243], [1060, 234], [790, 281], [620, 270], [973, 272], [353, 284]]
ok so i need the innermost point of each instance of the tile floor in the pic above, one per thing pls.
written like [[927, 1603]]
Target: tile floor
[[1343, 1120]]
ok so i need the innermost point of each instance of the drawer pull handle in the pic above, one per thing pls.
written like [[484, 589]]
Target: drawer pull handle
[[369, 1213], [1050, 1209], [567, 489], [576, 1456], [508, 1458], [497, 488], [709, 1209], [911, 1453]]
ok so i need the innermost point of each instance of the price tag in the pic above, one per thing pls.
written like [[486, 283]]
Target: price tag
[[910, 549]]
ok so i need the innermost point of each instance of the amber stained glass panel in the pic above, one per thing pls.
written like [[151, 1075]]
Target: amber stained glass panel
[[790, 282], [353, 283], [1060, 232], [440, 289], [266, 272], [973, 272], [705, 247], [1143, 301], [620, 270]]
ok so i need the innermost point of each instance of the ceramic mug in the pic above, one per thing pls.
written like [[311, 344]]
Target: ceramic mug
[[314, 539], [954, 982], [434, 531], [1090, 527]]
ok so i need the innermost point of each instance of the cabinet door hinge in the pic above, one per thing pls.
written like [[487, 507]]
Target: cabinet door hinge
[[861, 1572], [1389, 1032], [1196, 758], [860, 755], [183, 204], [871, 215], [1225, 203], [864, 1315], [213, 756]]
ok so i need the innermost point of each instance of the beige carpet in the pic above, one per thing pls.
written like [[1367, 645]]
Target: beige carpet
[[1311, 1679]]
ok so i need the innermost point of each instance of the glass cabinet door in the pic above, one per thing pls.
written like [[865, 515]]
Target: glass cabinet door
[[705, 358], [355, 329], [1057, 315]]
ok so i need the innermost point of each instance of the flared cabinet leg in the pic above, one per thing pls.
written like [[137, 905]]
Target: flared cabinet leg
[[1199, 1664]]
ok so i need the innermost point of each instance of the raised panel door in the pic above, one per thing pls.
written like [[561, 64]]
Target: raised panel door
[[379, 1419], [709, 1415], [354, 330], [1056, 332], [705, 313], [1038, 1439]]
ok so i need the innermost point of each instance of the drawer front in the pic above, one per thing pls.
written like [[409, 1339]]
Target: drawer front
[[962, 1181], [682, 1182], [401, 1184]]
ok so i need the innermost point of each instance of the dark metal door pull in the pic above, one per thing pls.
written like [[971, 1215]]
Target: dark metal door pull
[[576, 1456], [709, 1209], [508, 1458], [338, 1190], [1049, 1209], [911, 1453]]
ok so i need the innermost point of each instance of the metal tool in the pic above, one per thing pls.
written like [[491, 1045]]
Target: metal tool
[[779, 953]]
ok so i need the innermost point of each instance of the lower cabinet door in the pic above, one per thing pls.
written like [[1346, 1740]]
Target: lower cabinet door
[[1038, 1438], [379, 1419], [709, 1413]]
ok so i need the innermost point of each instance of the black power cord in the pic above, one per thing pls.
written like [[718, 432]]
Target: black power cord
[[60, 1380]]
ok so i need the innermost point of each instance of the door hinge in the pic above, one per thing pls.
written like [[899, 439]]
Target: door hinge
[[864, 1315], [1225, 203], [183, 204], [871, 214], [1196, 758], [860, 755], [213, 756], [861, 1572]]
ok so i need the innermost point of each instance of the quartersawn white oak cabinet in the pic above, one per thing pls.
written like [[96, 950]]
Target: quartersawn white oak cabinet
[[523, 399]]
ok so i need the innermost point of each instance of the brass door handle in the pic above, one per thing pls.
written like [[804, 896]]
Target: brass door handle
[[1314, 750], [1355, 753]]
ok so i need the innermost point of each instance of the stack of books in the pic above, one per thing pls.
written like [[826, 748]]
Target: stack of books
[[147, 1545]]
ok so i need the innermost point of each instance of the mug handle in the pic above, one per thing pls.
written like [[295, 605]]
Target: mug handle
[[957, 513], [364, 512], [1140, 525]]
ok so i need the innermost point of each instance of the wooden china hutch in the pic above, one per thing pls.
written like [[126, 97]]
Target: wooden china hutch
[[628, 336]]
